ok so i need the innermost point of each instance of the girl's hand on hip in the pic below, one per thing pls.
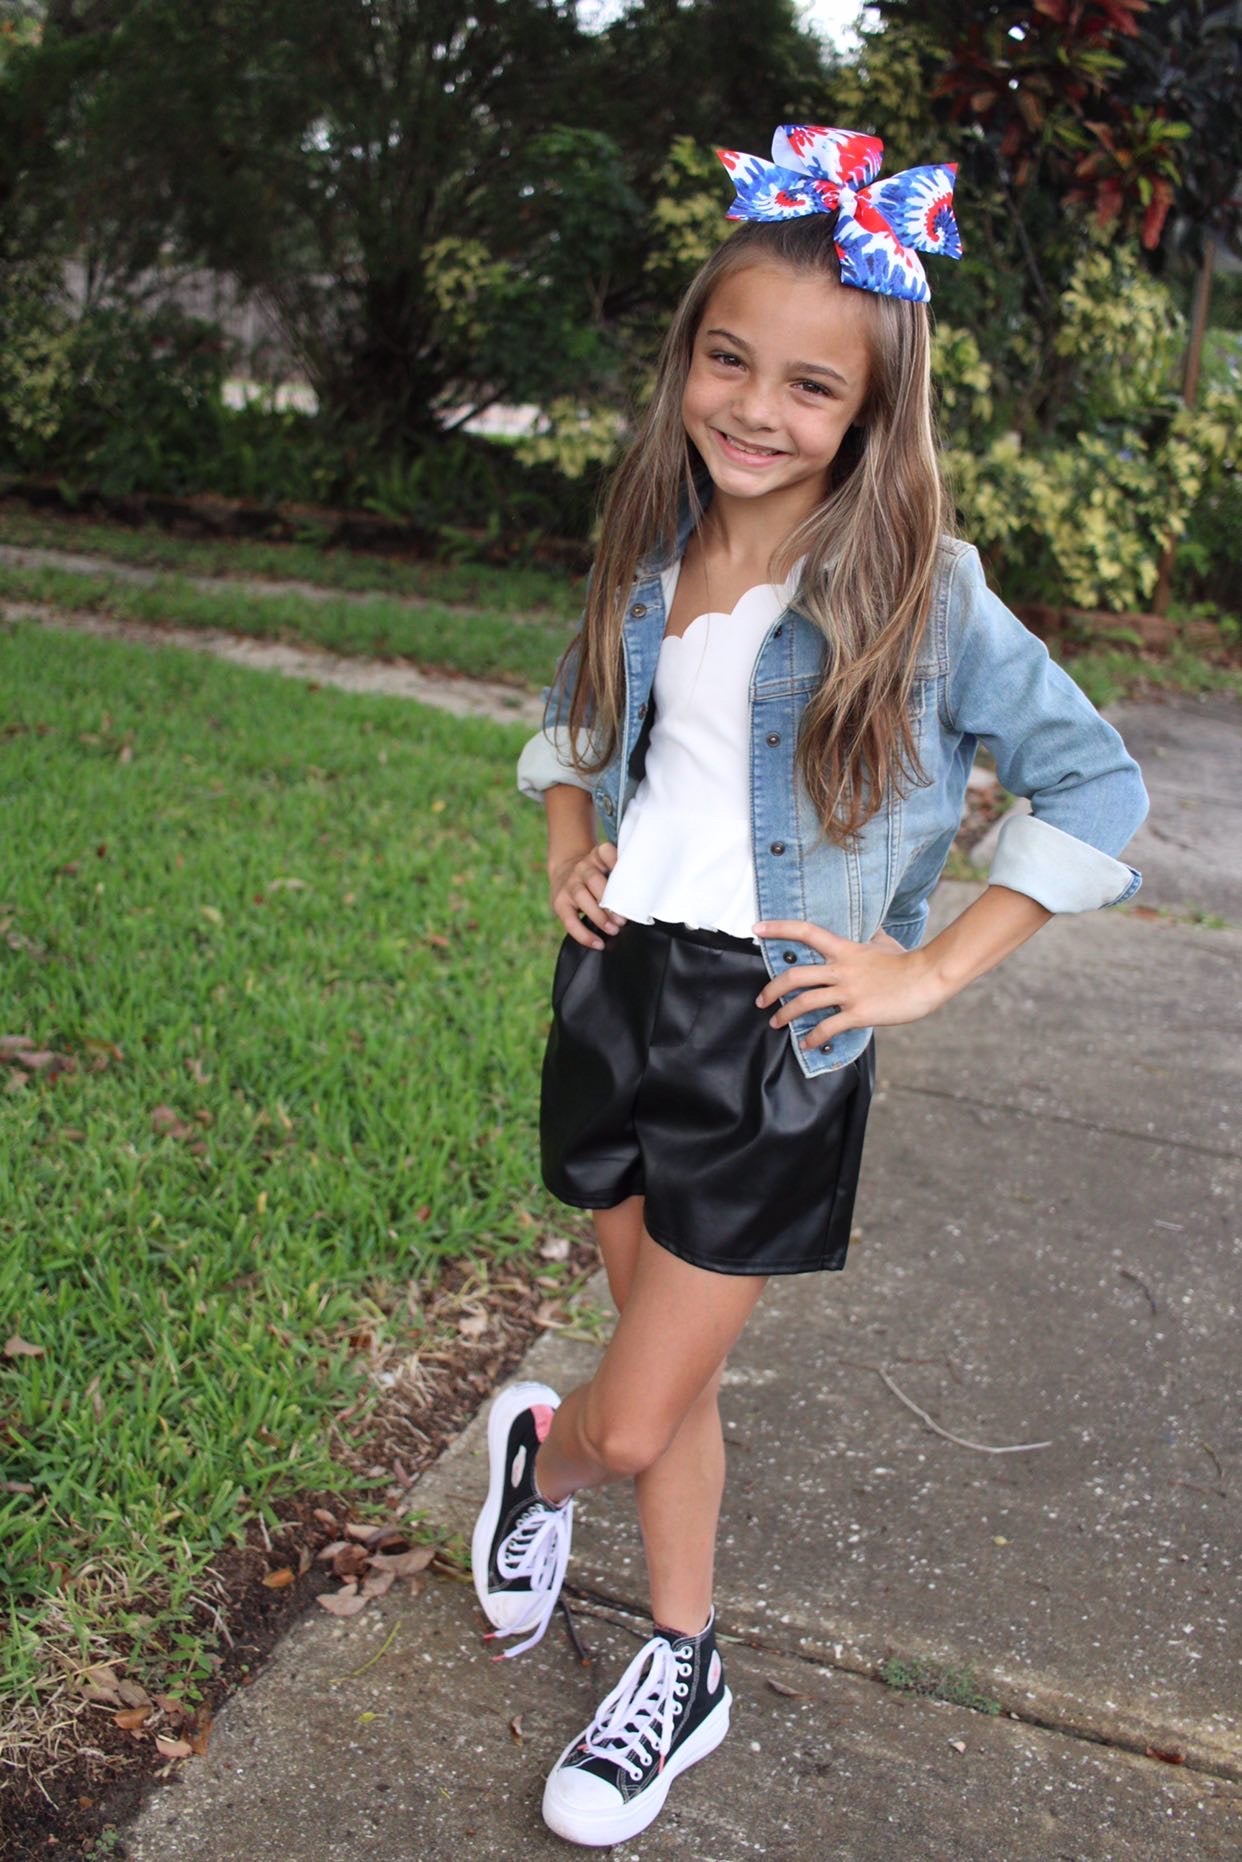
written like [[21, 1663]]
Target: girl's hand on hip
[[870, 985], [577, 885]]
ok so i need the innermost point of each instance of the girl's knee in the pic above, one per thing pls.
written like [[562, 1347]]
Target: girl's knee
[[623, 1445], [627, 1443]]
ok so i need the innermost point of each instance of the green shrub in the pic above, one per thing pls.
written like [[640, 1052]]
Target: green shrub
[[121, 401], [1082, 512]]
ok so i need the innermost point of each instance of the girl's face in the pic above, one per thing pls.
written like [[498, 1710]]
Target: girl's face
[[778, 374]]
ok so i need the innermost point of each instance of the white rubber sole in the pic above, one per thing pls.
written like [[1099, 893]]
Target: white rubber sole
[[509, 1403], [606, 1827]]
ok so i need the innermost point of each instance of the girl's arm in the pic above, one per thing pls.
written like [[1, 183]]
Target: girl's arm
[[1050, 744], [988, 931]]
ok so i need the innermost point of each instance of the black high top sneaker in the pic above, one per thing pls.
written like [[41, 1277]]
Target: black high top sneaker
[[521, 1542], [668, 1711]]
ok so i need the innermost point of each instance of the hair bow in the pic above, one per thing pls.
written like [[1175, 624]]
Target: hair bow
[[880, 224]]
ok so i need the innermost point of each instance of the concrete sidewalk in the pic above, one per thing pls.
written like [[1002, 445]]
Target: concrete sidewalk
[[1048, 1228]]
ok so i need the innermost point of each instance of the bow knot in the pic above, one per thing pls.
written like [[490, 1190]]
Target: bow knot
[[881, 225]]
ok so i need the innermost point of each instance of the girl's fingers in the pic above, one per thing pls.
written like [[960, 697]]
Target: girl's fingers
[[594, 883], [801, 931], [802, 976], [803, 1004], [574, 906], [579, 932], [822, 1034]]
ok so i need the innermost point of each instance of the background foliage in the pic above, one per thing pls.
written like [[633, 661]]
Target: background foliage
[[441, 211]]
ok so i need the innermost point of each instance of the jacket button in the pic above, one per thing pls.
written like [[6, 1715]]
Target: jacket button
[[605, 804], [638, 610], [774, 738], [642, 711], [778, 846], [790, 956]]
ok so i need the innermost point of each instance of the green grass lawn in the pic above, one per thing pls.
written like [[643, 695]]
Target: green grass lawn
[[297, 948], [493, 643], [513, 589], [517, 624]]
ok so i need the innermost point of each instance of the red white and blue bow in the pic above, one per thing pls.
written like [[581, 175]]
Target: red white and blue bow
[[881, 225]]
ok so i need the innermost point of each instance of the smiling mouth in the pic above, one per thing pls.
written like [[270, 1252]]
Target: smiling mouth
[[745, 446]]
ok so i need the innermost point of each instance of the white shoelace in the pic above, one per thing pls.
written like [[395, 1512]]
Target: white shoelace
[[537, 1550], [637, 1721]]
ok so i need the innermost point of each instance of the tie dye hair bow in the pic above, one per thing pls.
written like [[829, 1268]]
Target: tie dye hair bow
[[881, 225]]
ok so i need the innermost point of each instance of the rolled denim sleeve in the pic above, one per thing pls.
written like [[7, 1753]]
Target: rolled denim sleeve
[[1050, 744], [545, 760], [546, 757]]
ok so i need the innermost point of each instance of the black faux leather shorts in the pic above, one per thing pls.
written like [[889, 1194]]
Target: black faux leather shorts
[[662, 1079]]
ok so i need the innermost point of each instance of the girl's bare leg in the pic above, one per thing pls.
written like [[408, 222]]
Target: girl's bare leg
[[650, 1411]]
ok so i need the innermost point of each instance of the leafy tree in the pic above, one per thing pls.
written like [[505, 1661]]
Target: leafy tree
[[440, 206]]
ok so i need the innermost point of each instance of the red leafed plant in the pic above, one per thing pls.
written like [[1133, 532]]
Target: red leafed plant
[[1037, 77], [1134, 174]]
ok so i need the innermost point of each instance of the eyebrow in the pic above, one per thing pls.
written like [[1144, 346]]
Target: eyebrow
[[797, 368]]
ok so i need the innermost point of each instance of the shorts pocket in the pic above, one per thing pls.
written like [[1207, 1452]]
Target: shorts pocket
[[568, 958]]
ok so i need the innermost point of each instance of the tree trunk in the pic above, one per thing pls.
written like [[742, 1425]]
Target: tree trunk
[[1190, 394]]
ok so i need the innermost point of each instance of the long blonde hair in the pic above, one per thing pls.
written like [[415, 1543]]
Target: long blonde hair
[[870, 546]]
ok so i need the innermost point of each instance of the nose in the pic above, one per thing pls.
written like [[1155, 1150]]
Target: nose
[[755, 406]]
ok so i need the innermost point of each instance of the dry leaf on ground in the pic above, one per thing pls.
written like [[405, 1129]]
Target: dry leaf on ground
[[349, 1561], [167, 1119], [342, 1602], [16, 1347], [405, 1564], [173, 1748], [354, 1529]]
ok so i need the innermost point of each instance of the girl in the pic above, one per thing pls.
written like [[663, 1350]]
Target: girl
[[772, 707]]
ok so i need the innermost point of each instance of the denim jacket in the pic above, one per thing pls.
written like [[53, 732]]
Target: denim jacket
[[981, 677]]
